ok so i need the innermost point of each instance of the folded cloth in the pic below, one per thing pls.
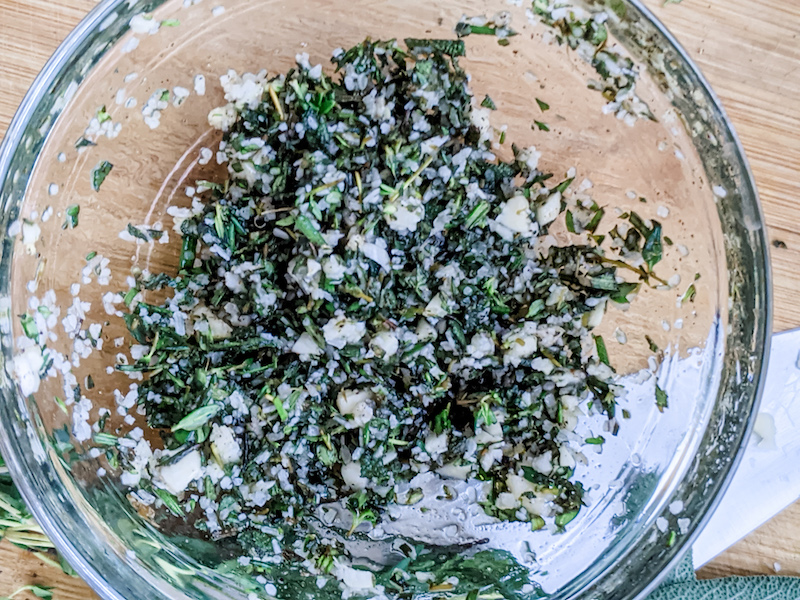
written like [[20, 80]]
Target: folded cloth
[[682, 584]]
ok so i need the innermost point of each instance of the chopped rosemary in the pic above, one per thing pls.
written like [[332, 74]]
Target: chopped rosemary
[[570, 221], [363, 303]]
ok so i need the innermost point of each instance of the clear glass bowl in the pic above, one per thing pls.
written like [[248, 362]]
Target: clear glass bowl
[[655, 482]]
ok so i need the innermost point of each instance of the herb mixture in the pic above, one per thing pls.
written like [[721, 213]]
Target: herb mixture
[[368, 313], [370, 300]]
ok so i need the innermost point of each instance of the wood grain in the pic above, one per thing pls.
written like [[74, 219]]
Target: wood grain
[[750, 52]]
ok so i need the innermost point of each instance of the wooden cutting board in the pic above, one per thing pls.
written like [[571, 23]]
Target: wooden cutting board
[[748, 49]]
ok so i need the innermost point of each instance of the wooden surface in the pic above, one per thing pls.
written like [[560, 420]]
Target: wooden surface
[[748, 49]]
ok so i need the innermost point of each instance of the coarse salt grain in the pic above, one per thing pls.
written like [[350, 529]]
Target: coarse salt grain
[[662, 524], [200, 85], [130, 45]]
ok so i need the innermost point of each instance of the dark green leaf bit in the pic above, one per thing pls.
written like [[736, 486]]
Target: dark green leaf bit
[[99, 174], [498, 26], [363, 301]]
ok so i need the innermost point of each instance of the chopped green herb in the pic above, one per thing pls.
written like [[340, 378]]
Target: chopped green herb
[[541, 126], [602, 352], [454, 48], [304, 225], [102, 115], [619, 8], [543, 106], [566, 517], [197, 418], [570, 221], [562, 187], [361, 309], [625, 290], [442, 422], [84, 143], [99, 174], [537, 524], [537, 306], [29, 327], [61, 404], [170, 23], [137, 233], [488, 103], [653, 249], [599, 34], [72, 213], [129, 296], [90, 256], [278, 403], [105, 439], [40, 591], [477, 215], [690, 294], [661, 399], [596, 441], [673, 536], [465, 29], [170, 502]]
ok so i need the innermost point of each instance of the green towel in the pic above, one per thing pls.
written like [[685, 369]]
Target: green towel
[[683, 585]]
